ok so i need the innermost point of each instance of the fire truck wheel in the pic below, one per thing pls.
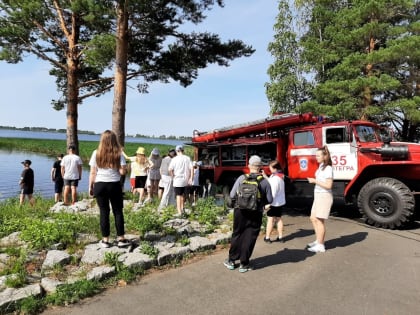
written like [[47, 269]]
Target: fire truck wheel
[[386, 202]]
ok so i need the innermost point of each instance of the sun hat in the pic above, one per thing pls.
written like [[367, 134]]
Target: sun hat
[[140, 150], [255, 160], [155, 151], [179, 147], [26, 162]]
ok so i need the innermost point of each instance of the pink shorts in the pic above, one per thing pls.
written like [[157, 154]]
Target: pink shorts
[[321, 206]]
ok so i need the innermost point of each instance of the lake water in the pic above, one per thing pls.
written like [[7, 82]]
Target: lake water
[[11, 167]]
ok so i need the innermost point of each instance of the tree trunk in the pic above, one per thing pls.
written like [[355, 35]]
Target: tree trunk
[[367, 93], [72, 84], [72, 105], [120, 87]]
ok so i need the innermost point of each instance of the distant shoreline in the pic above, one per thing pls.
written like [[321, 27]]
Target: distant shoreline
[[87, 132]]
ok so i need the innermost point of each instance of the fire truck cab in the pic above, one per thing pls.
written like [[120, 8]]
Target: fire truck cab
[[381, 177]]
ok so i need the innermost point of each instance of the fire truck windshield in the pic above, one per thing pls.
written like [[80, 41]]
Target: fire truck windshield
[[368, 133]]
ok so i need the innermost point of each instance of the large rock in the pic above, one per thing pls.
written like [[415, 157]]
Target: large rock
[[136, 259], [11, 240], [55, 257], [50, 285], [200, 243], [11, 296], [101, 272], [95, 255]]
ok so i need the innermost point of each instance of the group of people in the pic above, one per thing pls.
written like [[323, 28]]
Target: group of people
[[108, 163], [172, 179], [247, 222], [65, 173]]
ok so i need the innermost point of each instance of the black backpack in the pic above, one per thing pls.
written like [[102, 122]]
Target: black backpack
[[248, 193]]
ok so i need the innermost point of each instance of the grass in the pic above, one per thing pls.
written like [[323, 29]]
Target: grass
[[41, 229], [54, 147]]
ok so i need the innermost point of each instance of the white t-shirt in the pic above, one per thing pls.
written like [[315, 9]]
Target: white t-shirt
[[277, 189], [181, 166], [164, 166], [322, 176], [70, 162], [106, 175]]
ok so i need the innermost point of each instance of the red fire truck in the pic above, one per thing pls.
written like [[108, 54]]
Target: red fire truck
[[379, 176]]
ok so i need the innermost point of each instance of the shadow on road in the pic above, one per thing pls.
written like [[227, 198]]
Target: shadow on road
[[299, 233], [346, 240], [296, 255], [284, 256]]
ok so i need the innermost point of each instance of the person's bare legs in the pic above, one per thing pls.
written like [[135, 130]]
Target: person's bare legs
[[269, 228], [319, 227], [73, 194], [279, 227], [31, 200], [180, 204], [141, 194], [66, 194]]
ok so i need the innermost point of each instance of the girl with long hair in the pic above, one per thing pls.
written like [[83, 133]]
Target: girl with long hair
[[107, 164], [323, 198]]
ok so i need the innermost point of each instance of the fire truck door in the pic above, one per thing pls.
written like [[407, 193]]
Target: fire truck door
[[301, 154], [342, 148]]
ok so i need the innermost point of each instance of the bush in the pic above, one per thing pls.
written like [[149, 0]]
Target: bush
[[144, 221]]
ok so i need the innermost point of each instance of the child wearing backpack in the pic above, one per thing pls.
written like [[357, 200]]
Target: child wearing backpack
[[249, 195]]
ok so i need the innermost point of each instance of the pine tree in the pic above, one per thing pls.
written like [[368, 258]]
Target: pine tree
[[366, 62], [286, 88]]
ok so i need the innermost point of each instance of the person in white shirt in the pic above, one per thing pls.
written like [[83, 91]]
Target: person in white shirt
[[194, 191], [71, 171], [107, 165], [181, 171], [275, 212], [323, 198], [165, 183]]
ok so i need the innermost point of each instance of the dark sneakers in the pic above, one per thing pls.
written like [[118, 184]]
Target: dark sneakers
[[245, 268], [279, 239], [105, 244], [267, 240], [229, 264], [123, 243]]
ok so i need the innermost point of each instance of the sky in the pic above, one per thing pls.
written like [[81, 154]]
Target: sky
[[219, 97]]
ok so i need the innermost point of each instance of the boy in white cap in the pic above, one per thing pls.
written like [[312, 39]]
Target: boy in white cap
[[181, 171]]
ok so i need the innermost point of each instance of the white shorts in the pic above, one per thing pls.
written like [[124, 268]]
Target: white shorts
[[321, 206]]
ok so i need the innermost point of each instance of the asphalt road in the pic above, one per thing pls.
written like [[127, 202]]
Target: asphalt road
[[365, 270]]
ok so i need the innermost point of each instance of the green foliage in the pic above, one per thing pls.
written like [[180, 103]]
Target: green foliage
[[31, 305], [74, 292], [15, 268], [207, 212], [41, 233], [287, 87], [144, 220], [111, 258], [365, 61], [168, 213], [148, 249], [123, 272], [54, 147], [184, 240]]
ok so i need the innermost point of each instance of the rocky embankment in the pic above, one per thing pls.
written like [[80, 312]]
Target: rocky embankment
[[89, 263]]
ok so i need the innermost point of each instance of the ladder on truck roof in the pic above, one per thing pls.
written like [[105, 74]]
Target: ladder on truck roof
[[254, 128]]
